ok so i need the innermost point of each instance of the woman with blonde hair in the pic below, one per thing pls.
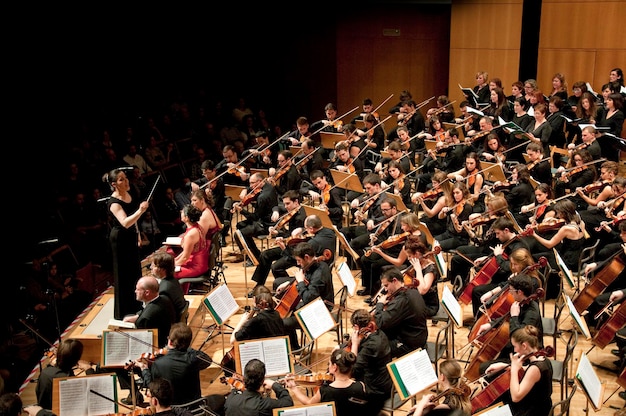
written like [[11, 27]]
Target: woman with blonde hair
[[450, 380]]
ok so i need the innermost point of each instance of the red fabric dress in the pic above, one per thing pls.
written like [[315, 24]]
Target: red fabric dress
[[198, 262]]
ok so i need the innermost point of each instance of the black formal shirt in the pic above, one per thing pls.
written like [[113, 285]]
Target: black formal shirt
[[252, 403], [403, 318]]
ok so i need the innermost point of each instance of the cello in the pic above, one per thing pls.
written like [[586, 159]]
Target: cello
[[494, 340], [600, 282], [607, 331], [491, 392]]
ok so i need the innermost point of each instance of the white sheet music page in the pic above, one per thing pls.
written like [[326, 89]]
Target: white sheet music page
[[316, 318], [416, 371], [346, 277], [452, 306], [222, 303]]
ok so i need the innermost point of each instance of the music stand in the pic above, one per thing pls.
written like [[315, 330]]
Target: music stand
[[228, 306], [343, 242], [430, 145], [233, 191], [492, 172], [329, 140], [263, 172], [399, 203], [349, 181], [459, 130], [295, 149], [245, 250], [326, 221]]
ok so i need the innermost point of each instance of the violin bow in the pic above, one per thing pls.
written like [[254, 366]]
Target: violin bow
[[365, 148], [338, 118], [516, 146], [383, 103]]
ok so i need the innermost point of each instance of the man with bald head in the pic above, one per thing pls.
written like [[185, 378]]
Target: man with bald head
[[156, 312]]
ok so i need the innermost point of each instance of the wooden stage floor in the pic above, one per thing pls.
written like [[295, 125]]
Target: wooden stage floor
[[237, 279]]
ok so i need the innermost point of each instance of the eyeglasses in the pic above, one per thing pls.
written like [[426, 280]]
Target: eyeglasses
[[386, 209]]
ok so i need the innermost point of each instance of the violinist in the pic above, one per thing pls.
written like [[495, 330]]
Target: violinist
[[539, 166], [312, 280], [509, 241], [450, 377], [373, 353], [493, 150], [580, 175], [518, 191], [328, 196], [355, 140], [345, 163], [444, 110], [286, 176], [598, 194], [252, 401], [448, 157], [455, 213], [350, 396], [180, 364], [259, 220], [589, 143], [230, 168], [474, 180], [539, 210], [331, 123], [421, 273], [433, 200], [411, 118], [469, 120], [398, 183], [368, 108], [570, 237], [374, 136], [395, 152], [530, 386], [358, 235], [261, 155], [279, 257], [314, 159], [435, 130], [485, 126], [67, 357], [400, 312], [482, 236], [302, 133], [389, 230]]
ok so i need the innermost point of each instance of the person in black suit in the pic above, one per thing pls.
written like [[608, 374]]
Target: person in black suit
[[162, 268]]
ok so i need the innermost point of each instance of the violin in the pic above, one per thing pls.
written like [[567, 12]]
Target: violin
[[235, 381], [148, 357], [366, 205], [573, 171], [285, 219], [431, 193], [251, 196], [503, 186], [237, 171], [408, 274], [549, 224], [606, 225], [534, 163], [294, 240], [311, 380], [392, 241], [482, 220], [596, 186]]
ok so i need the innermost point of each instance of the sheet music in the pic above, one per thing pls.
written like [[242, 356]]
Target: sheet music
[[416, 371], [568, 273], [221, 303], [120, 349], [346, 277], [322, 409], [589, 380], [582, 325], [75, 399], [273, 352], [498, 410], [316, 318], [452, 306]]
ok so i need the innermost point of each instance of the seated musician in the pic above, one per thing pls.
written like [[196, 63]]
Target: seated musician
[[580, 175], [286, 176], [589, 143], [397, 182], [302, 132], [493, 151], [400, 312], [539, 166], [485, 126], [358, 236], [604, 203], [162, 268], [444, 110], [349, 395], [343, 162], [447, 157], [455, 213], [251, 401], [518, 191], [530, 394], [524, 310], [373, 352], [259, 220], [614, 276], [432, 201], [422, 272], [230, 168], [314, 159], [396, 152], [263, 321], [509, 241], [322, 239], [290, 219], [389, 234], [474, 180], [482, 236], [261, 155], [536, 212], [450, 377], [328, 196], [312, 280]]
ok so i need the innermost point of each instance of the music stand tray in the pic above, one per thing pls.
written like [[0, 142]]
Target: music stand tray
[[329, 140], [233, 191], [326, 221], [399, 203], [493, 172], [245, 249], [349, 181]]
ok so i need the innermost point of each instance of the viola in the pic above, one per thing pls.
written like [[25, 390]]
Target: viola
[[502, 383], [392, 241]]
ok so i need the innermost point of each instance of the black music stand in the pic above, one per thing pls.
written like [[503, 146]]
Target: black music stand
[[245, 250]]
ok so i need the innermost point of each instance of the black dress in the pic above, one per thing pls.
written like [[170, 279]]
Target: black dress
[[126, 260]]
